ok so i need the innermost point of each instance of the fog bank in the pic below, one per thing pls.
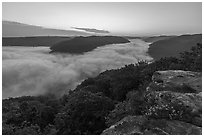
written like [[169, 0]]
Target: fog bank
[[33, 71]]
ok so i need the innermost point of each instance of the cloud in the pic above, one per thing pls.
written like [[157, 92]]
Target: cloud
[[33, 71], [92, 30]]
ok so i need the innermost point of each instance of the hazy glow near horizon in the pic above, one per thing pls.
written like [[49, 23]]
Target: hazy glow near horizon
[[118, 18]]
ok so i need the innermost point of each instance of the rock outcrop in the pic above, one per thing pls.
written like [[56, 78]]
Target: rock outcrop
[[173, 107], [176, 81], [141, 125], [175, 94]]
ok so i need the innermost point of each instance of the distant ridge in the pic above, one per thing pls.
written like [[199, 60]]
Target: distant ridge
[[171, 47], [153, 39], [81, 44], [33, 41], [16, 29]]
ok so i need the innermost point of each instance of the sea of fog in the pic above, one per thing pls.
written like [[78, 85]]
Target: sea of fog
[[33, 71]]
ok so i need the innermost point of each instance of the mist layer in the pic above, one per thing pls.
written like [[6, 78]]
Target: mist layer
[[33, 71]]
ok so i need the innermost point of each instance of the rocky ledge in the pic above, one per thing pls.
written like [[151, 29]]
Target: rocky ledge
[[173, 106]]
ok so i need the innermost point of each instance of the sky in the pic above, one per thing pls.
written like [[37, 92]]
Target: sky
[[127, 18]]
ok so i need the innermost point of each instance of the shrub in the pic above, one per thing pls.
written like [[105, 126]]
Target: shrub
[[192, 60], [84, 113], [120, 111]]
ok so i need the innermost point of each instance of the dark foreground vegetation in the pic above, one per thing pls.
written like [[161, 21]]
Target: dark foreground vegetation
[[96, 103]]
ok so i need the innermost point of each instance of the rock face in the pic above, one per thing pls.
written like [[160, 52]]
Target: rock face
[[140, 125], [130, 125], [177, 81], [173, 106], [175, 94]]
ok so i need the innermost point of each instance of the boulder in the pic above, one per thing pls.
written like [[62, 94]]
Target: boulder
[[175, 106], [141, 125], [176, 81], [170, 127], [130, 125], [175, 95]]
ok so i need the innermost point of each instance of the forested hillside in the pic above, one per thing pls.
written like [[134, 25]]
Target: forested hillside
[[79, 45], [171, 47], [33, 41]]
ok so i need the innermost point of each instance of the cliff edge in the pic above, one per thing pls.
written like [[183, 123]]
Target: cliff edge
[[173, 106]]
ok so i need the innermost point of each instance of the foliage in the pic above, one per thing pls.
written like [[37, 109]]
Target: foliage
[[192, 60], [25, 129], [24, 115], [116, 83], [120, 111], [84, 113]]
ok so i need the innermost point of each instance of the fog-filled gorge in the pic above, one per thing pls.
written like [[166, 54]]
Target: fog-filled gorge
[[33, 71]]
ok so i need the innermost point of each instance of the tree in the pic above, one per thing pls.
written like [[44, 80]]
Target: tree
[[192, 60], [84, 113]]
